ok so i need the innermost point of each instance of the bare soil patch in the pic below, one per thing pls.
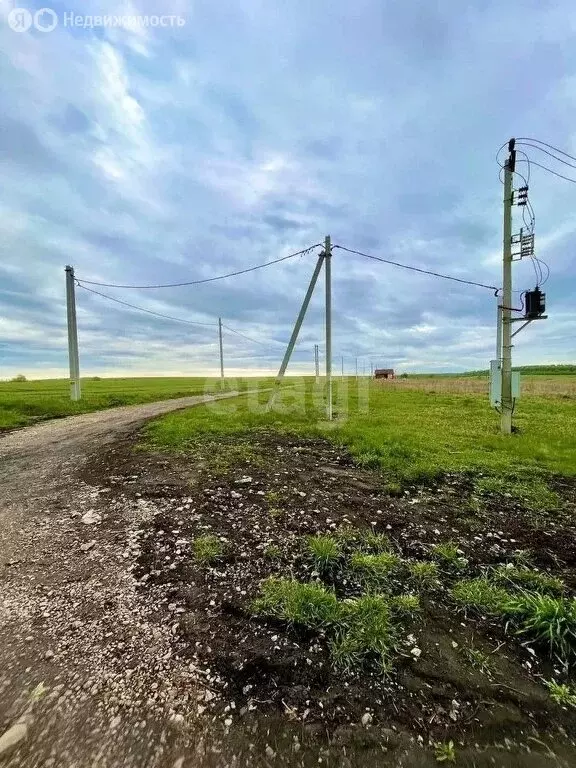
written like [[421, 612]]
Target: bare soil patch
[[259, 494]]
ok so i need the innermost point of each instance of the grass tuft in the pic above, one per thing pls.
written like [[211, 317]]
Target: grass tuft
[[272, 552], [374, 542], [324, 550], [562, 694], [424, 573], [445, 752], [310, 605], [405, 605], [482, 594], [547, 621], [373, 570], [529, 579], [207, 549], [447, 552], [366, 629]]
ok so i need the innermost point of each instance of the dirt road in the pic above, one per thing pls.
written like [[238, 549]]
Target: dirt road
[[70, 618], [40, 460]]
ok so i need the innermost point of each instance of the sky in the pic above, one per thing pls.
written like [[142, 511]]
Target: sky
[[249, 131]]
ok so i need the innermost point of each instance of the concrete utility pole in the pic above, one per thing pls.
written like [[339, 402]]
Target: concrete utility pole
[[317, 362], [507, 404], [328, 274], [221, 348], [499, 330], [342, 366], [356, 367], [295, 332], [74, 360]]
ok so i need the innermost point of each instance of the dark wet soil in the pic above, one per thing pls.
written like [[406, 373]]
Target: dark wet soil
[[267, 490]]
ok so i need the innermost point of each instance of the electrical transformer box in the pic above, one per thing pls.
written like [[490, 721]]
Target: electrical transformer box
[[496, 384], [535, 303]]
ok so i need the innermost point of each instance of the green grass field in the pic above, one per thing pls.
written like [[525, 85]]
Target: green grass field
[[23, 403], [411, 435], [412, 430]]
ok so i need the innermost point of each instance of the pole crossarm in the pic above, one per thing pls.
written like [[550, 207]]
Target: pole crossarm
[[527, 322]]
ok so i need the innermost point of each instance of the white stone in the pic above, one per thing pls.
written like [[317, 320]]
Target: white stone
[[366, 719]]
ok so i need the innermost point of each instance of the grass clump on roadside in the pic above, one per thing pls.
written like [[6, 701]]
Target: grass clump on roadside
[[272, 552], [547, 621], [364, 540], [324, 550], [374, 542], [560, 693], [528, 578], [447, 553], [481, 594], [207, 549], [359, 630], [405, 605], [310, 605], [366, 629], [424, 573], [542, 619], [373, 570]]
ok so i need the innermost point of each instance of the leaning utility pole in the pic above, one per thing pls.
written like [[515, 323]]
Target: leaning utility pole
[[317, 362], [324, 258], [295, 332], [507, 403], [221, 348], [73, 358], [328, 275]]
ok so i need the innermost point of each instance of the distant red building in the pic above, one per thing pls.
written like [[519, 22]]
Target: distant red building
[[384, 373]]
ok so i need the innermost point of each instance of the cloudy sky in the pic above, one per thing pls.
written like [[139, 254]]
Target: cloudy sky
[[154, 155]]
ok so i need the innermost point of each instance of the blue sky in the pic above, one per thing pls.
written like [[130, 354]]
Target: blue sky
[[144, 155]]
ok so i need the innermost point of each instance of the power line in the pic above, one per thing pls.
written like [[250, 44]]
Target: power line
[[249, 338], [545, 168], [142, 309], [550, 154], [417, 269], [544, 143], [171, 317], [257, 341], [207, 279]]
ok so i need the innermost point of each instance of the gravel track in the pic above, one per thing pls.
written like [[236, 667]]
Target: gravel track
[[70, 615]]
